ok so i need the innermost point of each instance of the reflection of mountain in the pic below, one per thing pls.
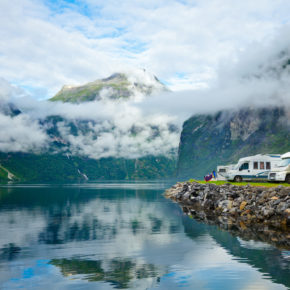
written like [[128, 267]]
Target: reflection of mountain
[[119, 273], [192, 228], [33, 196], [271, 263]]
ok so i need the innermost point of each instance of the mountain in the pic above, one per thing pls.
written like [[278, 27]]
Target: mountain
[[72, 151], [117, 86], [93, 148], [222, 138]]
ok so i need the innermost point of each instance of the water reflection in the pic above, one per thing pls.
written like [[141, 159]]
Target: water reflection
[[118, 273], [126, 237], [262, 256], [9, 252]]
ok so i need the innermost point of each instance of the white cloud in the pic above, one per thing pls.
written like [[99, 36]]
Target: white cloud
[[20, 133], [7, 91], [45, 45], [126, 132]]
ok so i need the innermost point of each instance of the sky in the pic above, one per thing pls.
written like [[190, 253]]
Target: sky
[[48, 43]]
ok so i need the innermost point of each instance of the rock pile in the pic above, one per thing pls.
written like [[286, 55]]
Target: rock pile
[[260, 209]]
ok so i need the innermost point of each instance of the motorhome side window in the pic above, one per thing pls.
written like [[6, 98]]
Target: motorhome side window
[[256, 165], [262, 165], [244, 166], [268, 165]]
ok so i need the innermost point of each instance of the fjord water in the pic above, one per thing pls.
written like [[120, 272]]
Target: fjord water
[[123, 236]]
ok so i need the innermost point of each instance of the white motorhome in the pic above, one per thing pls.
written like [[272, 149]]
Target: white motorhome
[[282, 171], [222, 171], [253, 167]]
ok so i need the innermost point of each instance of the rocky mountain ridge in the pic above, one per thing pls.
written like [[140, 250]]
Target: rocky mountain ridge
[[117, 86]]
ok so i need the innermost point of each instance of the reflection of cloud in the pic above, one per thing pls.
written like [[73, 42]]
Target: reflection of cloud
[[14, 224], [254, 245]]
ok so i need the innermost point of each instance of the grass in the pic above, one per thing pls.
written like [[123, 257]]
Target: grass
[[221, 182]]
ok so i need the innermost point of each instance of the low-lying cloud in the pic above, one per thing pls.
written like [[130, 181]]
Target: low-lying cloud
[[95, 129], [126, 133], [21, 133]]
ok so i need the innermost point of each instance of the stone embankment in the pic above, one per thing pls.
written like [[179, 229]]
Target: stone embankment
[[260, 212]]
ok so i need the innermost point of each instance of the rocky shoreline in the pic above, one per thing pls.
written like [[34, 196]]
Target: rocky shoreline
[[258, 213]]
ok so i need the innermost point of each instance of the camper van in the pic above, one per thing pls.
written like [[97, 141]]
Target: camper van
[[253, 168], [282, 171], [222, 170]]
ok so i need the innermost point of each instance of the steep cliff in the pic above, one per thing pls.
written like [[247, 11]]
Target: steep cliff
[[218, 139]]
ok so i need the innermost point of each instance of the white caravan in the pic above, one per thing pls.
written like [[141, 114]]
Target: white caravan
[[253, 167], [222, 170], [282, 171]]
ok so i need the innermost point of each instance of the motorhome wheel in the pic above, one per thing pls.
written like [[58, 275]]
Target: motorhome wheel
[[238, 178], [287, 179]]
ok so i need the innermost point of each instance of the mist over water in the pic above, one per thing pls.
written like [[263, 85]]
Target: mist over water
[[124, 236]]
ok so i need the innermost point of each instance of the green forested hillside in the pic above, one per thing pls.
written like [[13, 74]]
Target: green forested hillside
[[58, 167], [3, 174]]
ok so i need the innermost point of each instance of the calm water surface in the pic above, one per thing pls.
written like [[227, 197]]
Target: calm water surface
[[123, 236]]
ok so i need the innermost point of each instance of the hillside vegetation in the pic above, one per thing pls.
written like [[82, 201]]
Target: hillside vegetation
[[222, 138], [58, 167], [117, 86]]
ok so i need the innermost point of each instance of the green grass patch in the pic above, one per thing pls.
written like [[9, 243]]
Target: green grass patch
[[221, 182]]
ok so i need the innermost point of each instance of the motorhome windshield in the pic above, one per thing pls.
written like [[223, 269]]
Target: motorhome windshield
[[236, 167], [284, 163]]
